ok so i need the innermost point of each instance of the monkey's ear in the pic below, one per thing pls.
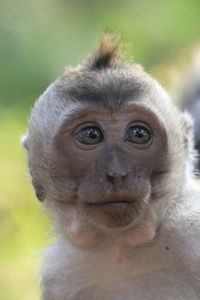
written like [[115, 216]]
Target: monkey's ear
[[24, 141], [106, 54], [188, 131], [188, 127], [39, 191]]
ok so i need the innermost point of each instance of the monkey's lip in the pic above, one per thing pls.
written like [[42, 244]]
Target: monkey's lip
[[117, 204]]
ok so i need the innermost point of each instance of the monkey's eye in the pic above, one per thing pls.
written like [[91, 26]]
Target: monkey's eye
[[138, 135], [89, 136]]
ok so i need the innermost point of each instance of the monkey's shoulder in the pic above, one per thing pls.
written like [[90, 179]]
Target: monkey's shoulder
[[186, 214], [181, 233]]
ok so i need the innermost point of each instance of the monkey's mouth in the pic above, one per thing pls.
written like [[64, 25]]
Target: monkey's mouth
[[117, 204]]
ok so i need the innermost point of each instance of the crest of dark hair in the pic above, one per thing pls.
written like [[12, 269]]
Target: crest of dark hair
[[97, 81], [107, 53]]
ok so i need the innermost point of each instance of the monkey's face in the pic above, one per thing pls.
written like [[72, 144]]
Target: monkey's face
[[112, 160], [105, 142]]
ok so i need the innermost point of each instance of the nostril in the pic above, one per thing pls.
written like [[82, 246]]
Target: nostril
[[117, 174], [116, 177]]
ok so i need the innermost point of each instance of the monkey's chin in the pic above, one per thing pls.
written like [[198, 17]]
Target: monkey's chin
[[111, 214]]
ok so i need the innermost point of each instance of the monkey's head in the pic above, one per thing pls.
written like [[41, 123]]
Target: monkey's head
[[105, 142]]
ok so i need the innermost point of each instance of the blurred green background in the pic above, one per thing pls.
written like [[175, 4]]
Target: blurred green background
[[37, 40]]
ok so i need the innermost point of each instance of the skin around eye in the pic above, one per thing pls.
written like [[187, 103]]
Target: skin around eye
[[89, 136], [138, 135]]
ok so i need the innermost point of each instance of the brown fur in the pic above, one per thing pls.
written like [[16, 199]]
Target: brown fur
[[106, 55]]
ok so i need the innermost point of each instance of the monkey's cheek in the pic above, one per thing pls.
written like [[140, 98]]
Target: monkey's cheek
[[82, 238], [142, 233], [81, 234]]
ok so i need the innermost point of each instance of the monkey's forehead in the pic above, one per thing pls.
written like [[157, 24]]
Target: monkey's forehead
[[108, 88]]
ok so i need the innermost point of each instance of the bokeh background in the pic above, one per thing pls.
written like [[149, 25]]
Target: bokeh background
[[37, 40]]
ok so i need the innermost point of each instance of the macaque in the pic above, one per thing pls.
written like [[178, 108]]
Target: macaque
[[112, 159]]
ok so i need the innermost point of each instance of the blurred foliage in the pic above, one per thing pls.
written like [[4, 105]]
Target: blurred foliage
[[37, 39], [23, 225]]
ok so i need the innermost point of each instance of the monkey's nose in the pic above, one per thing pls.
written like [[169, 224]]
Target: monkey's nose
[[116, 177]]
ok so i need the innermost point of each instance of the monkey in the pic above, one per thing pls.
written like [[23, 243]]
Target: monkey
[[112, 159]]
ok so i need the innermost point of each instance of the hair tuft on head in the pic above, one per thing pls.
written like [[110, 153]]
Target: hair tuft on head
[[106, 54]]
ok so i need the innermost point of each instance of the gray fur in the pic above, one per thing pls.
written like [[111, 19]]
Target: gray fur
[[166, 267]]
